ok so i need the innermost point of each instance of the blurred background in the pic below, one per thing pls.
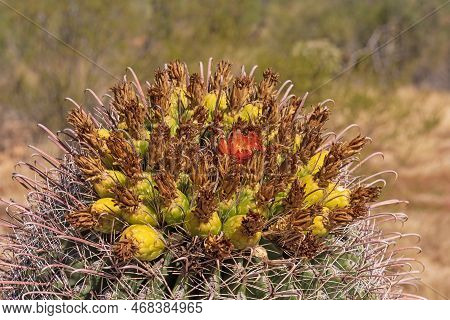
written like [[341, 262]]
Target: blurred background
[[398, 93]]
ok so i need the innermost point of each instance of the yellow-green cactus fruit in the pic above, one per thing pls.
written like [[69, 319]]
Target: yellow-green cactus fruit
[[107, 159], [103, 133], [172, 123], [177, 210], [141, 242], [145, 188], [313, 194], [141, 147], [178, 102], [107, 181], [227, 208], [272, 134], [316, 162], [280, 159], [297, 142], [107, 212], [141, 215], [239, 204], [177, 97], [318, 228], [246, 201], [277, 205], [228, 120], [197, 227], [210, 102], [249, 113], [337, 196], [233, 230], [122, 125]]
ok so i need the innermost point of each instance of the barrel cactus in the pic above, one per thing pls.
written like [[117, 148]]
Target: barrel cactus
[[201, 186]]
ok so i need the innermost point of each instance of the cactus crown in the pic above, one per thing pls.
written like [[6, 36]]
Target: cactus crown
[[201, 186]]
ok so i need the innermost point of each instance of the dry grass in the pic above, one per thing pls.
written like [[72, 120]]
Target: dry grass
[[415, 144], [425, 181], [15, 136]]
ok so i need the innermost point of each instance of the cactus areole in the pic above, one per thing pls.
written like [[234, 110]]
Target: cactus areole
[[198, 186]]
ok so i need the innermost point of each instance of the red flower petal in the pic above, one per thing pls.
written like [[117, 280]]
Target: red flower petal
[[223, 146], [240, 146]]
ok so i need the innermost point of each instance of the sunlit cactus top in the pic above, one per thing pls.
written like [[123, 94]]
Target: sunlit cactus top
[[202, 185]]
